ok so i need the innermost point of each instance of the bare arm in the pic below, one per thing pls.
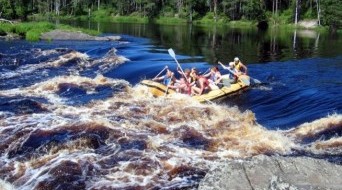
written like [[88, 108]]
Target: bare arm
[[224, 67], [218, 78], [244, 67], [201, 83], [207, 75], [158, 78], [227, 68], [179, 71]]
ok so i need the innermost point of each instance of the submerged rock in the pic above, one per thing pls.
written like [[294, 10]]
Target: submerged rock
[[68, 35], [264, 172]]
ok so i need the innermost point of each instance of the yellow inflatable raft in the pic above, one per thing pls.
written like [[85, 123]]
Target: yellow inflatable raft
[[160, 90]]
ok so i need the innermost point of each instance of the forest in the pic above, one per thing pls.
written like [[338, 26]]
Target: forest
[[274, 12]]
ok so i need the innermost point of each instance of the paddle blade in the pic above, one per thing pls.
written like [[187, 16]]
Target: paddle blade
[[172, 53], [256, 81]]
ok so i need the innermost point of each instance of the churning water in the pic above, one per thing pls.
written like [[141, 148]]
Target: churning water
[[73, 116]]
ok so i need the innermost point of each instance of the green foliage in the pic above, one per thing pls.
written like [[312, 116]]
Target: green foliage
[[33, 35], [73, 29], [170, 20], [167, 11], [6, 27], [5, 9], [241, 24], [137, 14], [101, 15], [33, 30], [200, 11], [332, 13], [130, 19], [310, 14], [254, 11], [210, 19], [284, 18]]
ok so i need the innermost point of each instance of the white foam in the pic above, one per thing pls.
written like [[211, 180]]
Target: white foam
[[6, 186]]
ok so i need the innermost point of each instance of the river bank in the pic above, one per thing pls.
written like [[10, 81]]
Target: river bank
[[32, 31]]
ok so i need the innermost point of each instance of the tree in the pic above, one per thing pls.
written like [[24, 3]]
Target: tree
[[332, 14], [254, 11], [318, 12], [297, 11]]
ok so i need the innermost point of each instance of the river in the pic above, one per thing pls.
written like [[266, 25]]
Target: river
[[73, 115]]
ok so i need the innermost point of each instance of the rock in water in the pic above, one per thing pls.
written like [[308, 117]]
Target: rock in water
[[264, 172], [68, 35]]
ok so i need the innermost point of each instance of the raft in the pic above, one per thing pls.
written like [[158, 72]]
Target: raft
[[160, 90]]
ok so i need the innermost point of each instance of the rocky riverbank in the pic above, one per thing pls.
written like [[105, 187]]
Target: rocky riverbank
[[69, 35], [264, 172]]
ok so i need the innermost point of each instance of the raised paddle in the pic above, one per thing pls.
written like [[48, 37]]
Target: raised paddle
[[161, 72], [173, 55]]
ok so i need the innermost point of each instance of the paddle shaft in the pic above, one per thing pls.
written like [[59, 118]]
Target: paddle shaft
[[167, 88], [173, 55], [160, 72], [234, 73], [254, 80]]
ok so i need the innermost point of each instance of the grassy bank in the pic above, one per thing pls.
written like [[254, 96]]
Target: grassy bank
[[32, 31]]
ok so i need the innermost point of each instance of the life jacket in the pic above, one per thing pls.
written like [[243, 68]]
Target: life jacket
[[167, 80], [238, 67]]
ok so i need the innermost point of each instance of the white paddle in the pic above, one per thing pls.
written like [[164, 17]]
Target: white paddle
[[173, 55], [246, 82], [161, 72]]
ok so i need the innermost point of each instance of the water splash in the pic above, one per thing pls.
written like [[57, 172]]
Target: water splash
[[133, 140], [68, 125]]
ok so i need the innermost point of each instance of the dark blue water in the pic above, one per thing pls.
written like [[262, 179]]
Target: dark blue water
[[292, 92]]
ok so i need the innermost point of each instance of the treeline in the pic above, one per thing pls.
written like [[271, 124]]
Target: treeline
[[326, 12]]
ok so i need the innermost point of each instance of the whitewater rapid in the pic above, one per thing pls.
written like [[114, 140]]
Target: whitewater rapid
[[121, 137]]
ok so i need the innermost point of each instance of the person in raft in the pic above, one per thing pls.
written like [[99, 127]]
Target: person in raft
[[181, 86], [167, 79], [186, 74], [239, 67], [236, 68], [215, 77], [202, 85], [192, 71]]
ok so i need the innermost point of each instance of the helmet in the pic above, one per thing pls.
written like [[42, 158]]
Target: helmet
[[236, 59]]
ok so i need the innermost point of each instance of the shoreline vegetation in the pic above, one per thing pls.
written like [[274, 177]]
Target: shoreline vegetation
[[209, 20], [320, 14], [32, 31]]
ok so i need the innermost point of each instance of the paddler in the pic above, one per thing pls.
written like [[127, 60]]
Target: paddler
[[168, 78], [239, 67]]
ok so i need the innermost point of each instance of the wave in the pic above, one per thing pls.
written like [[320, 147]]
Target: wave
[[133, 140], [314, 130], [81, 61]]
